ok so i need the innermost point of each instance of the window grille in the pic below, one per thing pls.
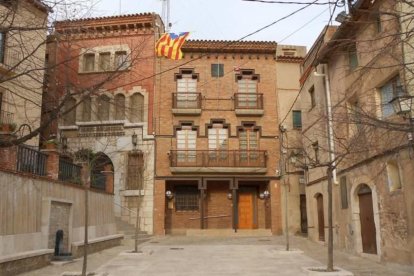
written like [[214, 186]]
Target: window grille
[[186, 198], [344, 192], [217, 70], [297, 119]]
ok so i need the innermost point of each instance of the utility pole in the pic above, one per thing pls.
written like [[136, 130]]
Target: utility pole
[[166, 14], [282, 176]]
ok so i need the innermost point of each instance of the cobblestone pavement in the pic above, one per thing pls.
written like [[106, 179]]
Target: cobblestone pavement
[[180, 255]]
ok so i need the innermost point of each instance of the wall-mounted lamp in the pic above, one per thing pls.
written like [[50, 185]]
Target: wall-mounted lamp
[[169, 194], [264, 195], [230, 195], [134, 139]]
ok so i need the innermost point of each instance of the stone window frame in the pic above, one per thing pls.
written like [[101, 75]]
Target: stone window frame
[[97, 51], [394, 174]]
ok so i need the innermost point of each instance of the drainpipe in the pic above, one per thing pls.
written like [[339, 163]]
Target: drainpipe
[[331, 144]]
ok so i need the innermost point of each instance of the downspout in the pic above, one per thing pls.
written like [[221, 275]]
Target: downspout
[[330, 121]]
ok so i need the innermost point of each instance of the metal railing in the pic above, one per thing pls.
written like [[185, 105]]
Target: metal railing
[[186, 100], [6, 117], [218, 158], [69, 172], [248, 101], [31, 161]]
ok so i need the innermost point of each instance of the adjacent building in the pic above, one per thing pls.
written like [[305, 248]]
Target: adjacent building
[[101, 72], [350, 76]]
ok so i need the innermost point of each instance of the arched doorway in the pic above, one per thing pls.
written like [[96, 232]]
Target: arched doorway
[[321, 218], [102, 173], [366, 217]]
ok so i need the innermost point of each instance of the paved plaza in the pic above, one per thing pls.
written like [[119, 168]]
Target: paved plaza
[[180, 255]]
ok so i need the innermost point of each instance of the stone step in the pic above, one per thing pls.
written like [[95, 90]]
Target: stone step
[[229, 233]]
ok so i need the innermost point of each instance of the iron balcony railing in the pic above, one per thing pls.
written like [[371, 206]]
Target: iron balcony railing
[[186, 100], [31, 161], [248, 101], [6, 117], [218, 158], [69, 172]]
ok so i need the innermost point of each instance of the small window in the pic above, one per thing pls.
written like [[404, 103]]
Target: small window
[[289, 53], [394, 178], [86, 109], [297, 119], [69, 118], [104, 61], [89, 62], [186, 198], [119, 107], [103, 107], [217, 70], [2, 46], [344, 192], [121, 60], [312, 96], [136, 108], [353, 57]]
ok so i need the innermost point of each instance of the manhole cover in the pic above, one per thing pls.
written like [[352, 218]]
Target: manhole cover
[[176, 248]]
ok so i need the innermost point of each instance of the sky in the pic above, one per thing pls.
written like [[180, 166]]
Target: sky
[[231, 19]]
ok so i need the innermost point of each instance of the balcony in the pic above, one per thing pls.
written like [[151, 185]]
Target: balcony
[[248, 104], [186, 103], [218, 161]]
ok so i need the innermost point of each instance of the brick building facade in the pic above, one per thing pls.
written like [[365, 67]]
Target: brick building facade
[[217, 146]]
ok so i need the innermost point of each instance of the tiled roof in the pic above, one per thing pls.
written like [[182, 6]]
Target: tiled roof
[[289, 59], [107, 17], [230, 46]]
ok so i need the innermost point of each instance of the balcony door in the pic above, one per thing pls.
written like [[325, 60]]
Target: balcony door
[[217, 145], [186, 146], [249, 146], [187, 92], [247, 93]]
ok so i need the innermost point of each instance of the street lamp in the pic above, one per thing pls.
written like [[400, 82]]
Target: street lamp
[[134, 140], [403, 106]]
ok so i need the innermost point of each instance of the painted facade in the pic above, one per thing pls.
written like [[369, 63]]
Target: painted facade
[[360, 65]]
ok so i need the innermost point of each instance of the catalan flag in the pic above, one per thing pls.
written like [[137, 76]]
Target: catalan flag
[[169, 45]]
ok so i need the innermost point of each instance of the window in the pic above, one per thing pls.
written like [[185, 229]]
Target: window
[[86, 109], [88, 62], [353, 57], [312, 96], [217, 137], [394, 178], [186, 145], [187, 91], [104, 61], [297, 119], [217, 70], [136, 108], [390, 90], [121, 60], [378, 23], [248, 143], [69, 118], [103, 108], [119, 107], [344, 192], [354, 117], [186, 198], [247, 92], [2, 46], [135, 166]]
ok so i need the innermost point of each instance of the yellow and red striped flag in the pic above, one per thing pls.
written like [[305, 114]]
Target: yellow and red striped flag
[[169, 45]]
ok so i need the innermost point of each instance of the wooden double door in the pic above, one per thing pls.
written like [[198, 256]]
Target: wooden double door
[[247, 208]]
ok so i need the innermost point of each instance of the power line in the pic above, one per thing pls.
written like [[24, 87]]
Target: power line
[[292, 2]]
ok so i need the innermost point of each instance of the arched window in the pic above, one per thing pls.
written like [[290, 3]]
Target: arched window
[[119, 107], [86, 109], [103, 108], [137, 108], [69, 117]]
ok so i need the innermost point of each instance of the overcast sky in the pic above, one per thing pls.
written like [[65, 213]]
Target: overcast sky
[[231, 19]]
